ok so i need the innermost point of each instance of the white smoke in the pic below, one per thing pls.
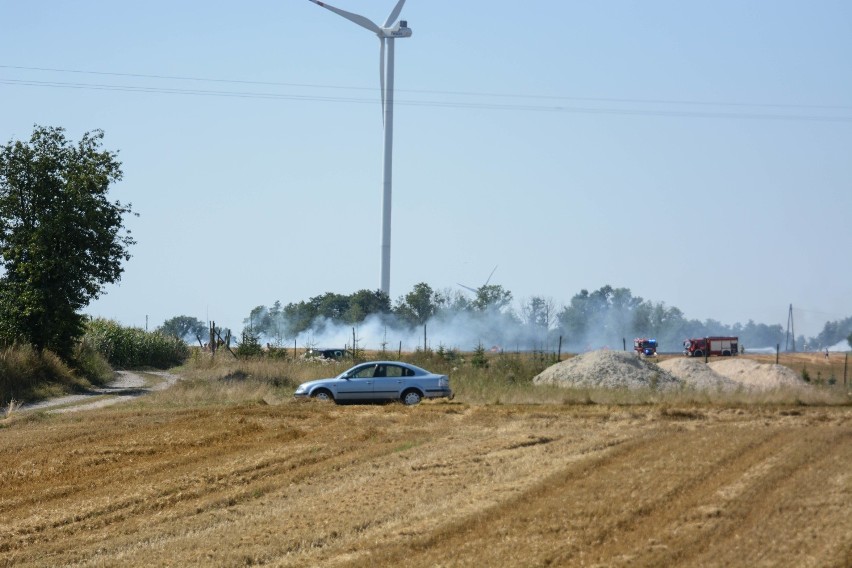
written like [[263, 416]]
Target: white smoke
[[462, 331]]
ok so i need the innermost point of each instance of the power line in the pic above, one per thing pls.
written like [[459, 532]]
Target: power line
[[809, 311], [434, 92], [429, 103]]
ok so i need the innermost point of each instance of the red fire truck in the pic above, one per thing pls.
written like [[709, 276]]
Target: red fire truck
[[726, 346], [645, 346]]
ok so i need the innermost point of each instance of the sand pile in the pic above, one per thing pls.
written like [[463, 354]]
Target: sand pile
[[607, 369], [757, 375], [695, 373]]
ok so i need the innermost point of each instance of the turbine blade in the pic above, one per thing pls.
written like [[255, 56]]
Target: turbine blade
[[490, 275], [382, 75], [394, 14], [360, 20]]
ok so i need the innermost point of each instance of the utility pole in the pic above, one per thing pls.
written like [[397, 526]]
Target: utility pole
[[791, 333]]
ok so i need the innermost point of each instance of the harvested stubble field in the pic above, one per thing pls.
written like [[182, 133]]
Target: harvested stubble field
[[150, 483]]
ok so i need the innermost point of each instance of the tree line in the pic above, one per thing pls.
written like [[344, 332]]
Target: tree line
[[488, 316]]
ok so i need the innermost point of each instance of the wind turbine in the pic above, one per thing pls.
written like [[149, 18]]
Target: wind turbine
[[386, 34], [476, 290]]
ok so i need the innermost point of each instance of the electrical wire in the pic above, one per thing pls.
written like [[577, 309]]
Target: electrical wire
[[435, 103], [434, 92]]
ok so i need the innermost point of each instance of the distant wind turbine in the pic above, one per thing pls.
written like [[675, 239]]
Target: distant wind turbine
[[476, 290], [386, 33]]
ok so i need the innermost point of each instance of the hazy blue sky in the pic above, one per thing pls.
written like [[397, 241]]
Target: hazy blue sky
[[698, 153]]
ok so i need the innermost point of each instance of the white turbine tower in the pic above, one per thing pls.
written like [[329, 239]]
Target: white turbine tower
[[387, 34]]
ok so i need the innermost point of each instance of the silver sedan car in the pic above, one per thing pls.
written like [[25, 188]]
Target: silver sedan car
[[379, 380]]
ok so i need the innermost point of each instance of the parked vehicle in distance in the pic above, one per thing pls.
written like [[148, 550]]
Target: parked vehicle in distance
[[699, 347], [379, 381], [645, 346], [327, 353]]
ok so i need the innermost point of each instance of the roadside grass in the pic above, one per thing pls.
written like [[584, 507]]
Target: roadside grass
[[201, 393], [27, 374], [11, 408], [503, 379]]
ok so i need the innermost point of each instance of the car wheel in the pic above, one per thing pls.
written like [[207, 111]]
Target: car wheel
[[323, 395], [411, 397]]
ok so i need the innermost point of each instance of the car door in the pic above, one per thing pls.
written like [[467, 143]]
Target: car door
[[389, 381], [358, 384]]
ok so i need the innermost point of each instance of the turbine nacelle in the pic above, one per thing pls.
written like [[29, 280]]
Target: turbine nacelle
[[399, 30]]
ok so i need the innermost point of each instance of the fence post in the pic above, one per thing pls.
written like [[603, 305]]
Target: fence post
[[559, 353], [845, 366], [777, 349]]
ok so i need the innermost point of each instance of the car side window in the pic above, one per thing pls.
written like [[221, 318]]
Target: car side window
[[364, 372], [407, 372], [395, 371]]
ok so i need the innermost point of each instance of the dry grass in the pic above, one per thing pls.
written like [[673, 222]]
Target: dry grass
[[27, 374], [821, 369], [234, 472], [226, 469], [506, 380]]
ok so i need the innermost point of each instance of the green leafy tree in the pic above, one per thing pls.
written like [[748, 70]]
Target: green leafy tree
[[419, 305], [364, 303], [61, 239], [449, 301], [332, 306], [538, 314], [185, 328], [575, 317], [491, 297]]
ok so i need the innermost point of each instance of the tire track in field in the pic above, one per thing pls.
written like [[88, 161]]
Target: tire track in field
[[217, 468], [313, 485], [229, 470], [559, 521], [484, 538], [710, 507], [782, 517], [343, 517]]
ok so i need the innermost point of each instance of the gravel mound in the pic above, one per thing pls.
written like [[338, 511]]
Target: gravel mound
[[697, 374], [607, 369], [756, 375]]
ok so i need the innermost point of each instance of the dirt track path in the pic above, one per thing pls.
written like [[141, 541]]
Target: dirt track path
[[126, 386]]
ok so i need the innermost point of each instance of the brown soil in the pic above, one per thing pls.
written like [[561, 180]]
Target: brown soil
[[441, 484]]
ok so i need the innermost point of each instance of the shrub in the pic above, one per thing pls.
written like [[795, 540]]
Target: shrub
[[128, 347], [26, 374], [249, 345], [479, 360], [90, 364]]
